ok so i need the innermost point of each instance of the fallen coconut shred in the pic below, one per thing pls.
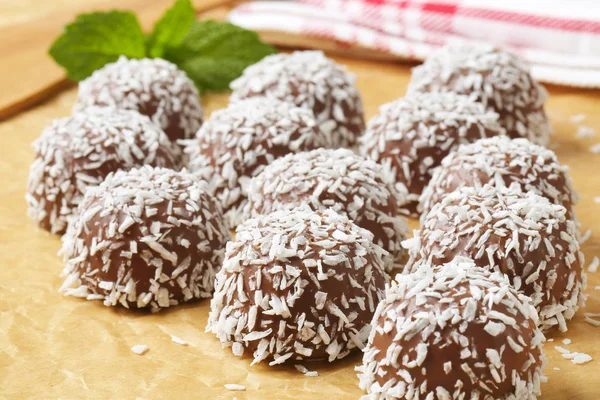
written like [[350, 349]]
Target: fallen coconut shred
[[140, 349], [305, 371]]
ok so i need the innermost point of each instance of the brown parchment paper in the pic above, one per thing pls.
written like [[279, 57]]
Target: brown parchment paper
[[61, 347]]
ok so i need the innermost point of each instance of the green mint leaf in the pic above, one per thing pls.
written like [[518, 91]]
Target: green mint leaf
[[171, 28], [215, 53], [95, 39]]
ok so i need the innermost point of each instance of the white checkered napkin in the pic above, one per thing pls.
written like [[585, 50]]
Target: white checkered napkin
[[562, 43]]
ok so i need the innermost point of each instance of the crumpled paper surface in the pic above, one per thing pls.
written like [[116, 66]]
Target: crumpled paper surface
[[62, 347]]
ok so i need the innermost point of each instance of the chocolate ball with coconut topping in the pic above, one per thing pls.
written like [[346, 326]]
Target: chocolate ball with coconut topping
[[455, 332], [236, 143], [310, 80], [338, 179], [77, 152], [412, 135], [153, 87], [498, 79], [519, 234], [148, 238], [501, 161], [297, 285]]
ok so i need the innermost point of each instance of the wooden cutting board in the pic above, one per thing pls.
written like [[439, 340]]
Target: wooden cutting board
[[28, 28]]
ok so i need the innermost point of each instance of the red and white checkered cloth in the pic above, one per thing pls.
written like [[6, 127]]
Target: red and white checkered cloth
[[560, 39]]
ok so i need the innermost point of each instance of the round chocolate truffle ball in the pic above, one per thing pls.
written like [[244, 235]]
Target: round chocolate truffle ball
[[412, 135], [310, 80], [501, 161], [519, 234], [77, 152], [153, 87], [297, 285], [455, 332], [338, 179], [236, 143], [498, 79], [147, 238]]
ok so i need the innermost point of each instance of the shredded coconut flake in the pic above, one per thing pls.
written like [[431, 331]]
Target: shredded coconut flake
[[576, 358], [581, 358], [140, 349], [235, 387], [178, 340], [593, 267], [585, 132], [590, 319], [305, 371], [586, 236]]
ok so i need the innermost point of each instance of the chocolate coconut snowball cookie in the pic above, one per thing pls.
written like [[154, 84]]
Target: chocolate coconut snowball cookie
[[496, 78], [455, 332], [297, 285], [153, 87], [501, 161], [236, 143], [519, 234], [77, 152], [148, 238], [338, 179], [309, 80], [412, 135]]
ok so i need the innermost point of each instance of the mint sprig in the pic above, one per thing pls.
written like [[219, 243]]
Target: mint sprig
[[171, 28], [96, 39], [212, 53], [215, 53]]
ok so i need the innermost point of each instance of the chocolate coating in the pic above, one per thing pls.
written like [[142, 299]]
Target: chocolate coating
[[80, 151], [153, 87], [496, 78], [412, 135], [312, 81], [453, 332], [519, 234], [338, 179], [501, 161], [236, 143], [297, 285], [148, 238]]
